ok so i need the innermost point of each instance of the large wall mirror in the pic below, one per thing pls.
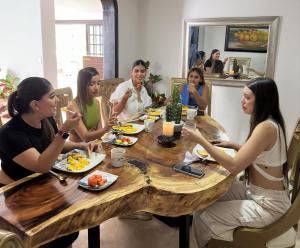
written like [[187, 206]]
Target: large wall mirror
[[249, 42]]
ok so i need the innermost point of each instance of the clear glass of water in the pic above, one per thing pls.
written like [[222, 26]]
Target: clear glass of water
[[190, 124]]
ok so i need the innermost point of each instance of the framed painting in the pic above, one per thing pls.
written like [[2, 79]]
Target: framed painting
[[247, 38]]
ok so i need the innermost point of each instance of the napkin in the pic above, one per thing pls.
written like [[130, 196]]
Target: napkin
[[189, 157]]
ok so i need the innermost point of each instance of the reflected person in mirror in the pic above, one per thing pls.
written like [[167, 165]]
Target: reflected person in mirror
[[30, 142], [198, 60], [215, 55], [130, 97], [195, 91], [263, 156]]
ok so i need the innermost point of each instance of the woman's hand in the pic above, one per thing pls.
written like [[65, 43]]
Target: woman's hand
[[138, 87], [111, 122], [192, 89], [127, 94], [71, 122], [192, 135], [222, 143]]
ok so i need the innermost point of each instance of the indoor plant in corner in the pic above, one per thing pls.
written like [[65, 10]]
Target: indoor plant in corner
[[157, 98], [8, 85]]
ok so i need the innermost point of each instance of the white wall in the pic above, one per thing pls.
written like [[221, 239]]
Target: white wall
[[158, 37], [21, 39], [78, 10], [129, 35]]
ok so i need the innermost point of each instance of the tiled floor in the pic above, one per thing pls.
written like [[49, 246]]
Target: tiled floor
[[121, 233]]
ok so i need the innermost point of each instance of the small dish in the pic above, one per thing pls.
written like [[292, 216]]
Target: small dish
[[150, 117], [123, 140], [127, 128], [200, 152], [110, 179]]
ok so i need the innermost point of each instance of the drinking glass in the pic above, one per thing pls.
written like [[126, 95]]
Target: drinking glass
[[117, 157], [190, 124]]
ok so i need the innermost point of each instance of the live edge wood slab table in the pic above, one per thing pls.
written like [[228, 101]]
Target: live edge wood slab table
[[40, 209]]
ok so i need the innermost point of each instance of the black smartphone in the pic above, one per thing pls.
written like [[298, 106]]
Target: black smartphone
[[186, 169]]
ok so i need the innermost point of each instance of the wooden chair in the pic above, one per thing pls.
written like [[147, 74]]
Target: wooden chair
[[281, 233], [10, 240], [180, 81], [107, 87], [243, 63], [64, 95]]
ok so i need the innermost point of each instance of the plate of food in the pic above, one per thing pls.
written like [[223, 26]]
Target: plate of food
[[78, 161], [97, 180], [122, 140], [149, 117], [185, 108], [200, 152], [153, 112], [128, 128]]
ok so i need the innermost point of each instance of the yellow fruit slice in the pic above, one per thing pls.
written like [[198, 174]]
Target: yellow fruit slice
[[203, 153]]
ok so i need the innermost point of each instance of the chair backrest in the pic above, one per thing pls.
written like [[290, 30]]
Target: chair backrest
[[180, 81], [243, 62], [293, 152], [107, 87], [64, 95]]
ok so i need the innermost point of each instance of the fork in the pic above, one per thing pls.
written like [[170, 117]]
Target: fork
[[59, 177]]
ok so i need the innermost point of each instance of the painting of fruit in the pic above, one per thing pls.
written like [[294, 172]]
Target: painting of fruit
[[247, 38]]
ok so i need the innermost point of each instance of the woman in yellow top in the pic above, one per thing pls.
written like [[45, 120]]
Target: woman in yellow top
[[93, 123]]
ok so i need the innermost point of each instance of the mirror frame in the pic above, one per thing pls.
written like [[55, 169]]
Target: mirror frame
[[272, 21]]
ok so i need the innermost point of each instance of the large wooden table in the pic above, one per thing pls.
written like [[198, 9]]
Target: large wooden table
[[39, 209]]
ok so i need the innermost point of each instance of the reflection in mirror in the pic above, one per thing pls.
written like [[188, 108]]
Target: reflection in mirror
[[246, 46]]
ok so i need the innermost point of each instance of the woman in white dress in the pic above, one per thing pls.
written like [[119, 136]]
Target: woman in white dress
[[130, 97]]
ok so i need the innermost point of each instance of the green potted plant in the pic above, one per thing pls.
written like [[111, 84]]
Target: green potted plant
[[174, 110], [157, 98], [8, 85]]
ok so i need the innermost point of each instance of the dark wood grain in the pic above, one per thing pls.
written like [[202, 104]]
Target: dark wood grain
[[40, 209]]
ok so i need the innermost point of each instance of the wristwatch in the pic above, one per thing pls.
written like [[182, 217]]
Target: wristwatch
[[63, 134]]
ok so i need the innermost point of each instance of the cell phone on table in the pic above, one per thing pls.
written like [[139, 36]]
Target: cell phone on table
[[186, 169]]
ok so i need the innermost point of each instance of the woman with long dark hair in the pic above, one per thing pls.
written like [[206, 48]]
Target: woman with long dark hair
[[30, 142], [93, 123], [215, 55], [130, 97], [264, 197], [195, 91]]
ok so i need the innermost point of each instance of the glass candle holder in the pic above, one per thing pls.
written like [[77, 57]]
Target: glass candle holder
[[168, 129]]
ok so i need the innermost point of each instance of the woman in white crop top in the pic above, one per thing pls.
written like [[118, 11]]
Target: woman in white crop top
[[263, 198]]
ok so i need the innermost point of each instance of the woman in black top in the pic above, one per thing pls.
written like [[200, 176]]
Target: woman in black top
[[215, 55], [30, 142]]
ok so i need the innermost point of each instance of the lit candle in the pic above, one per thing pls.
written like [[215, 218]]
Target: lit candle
[[168, 129]]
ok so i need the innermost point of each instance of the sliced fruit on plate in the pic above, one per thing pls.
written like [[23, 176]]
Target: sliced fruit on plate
[[96, 180], [123, 141], [202, 153]]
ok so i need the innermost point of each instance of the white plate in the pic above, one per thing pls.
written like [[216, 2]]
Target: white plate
[[198, 147], [132, 139], [139, 128], [152, 117], [111, 178], [95, 159]]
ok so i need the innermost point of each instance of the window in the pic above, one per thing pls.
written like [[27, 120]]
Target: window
[[94, 38]]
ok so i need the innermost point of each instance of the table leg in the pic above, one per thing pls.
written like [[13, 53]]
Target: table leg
[[94, 237], [184, 231]]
